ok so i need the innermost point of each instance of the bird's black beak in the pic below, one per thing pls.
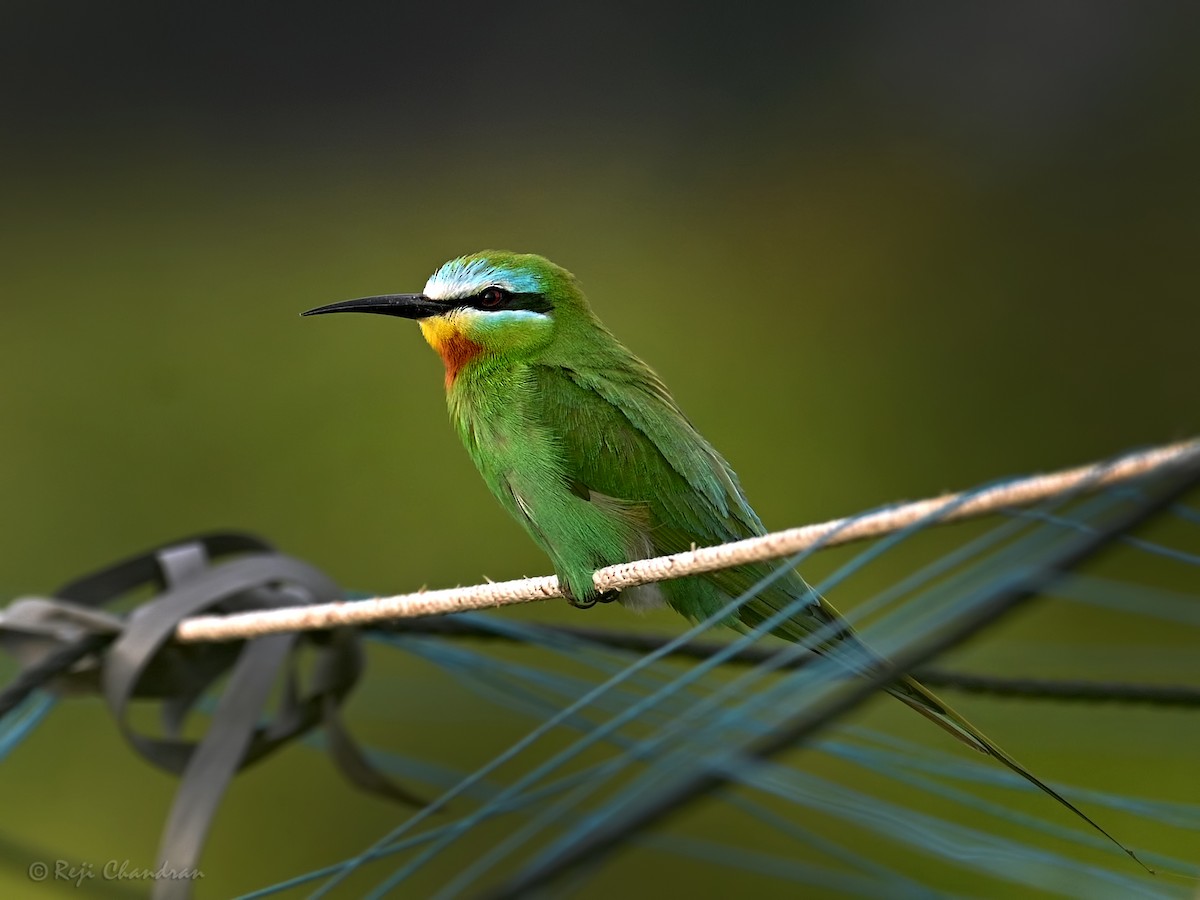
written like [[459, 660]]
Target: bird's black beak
[[408, 306]]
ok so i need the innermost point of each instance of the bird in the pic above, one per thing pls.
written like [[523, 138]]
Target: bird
[[582, 443]]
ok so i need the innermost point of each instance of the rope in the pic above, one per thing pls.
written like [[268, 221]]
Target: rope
[[1077, 690], [954, 507]]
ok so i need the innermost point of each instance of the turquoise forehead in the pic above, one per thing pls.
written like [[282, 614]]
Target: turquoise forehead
[[468, 275]]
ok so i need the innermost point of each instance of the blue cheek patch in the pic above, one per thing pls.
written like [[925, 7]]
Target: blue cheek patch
[[490, 320]]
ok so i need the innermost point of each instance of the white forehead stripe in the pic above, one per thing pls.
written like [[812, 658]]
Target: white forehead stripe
[[466, 277]]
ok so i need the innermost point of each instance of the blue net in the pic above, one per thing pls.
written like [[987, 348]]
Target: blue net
[[577, 733], [856, 811]]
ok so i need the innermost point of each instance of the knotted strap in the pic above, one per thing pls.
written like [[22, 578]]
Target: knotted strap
[[217, 573]]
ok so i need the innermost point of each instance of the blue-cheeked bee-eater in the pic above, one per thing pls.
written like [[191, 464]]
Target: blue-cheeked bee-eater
[[583, 444]]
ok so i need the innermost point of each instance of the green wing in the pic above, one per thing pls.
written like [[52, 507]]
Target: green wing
[[626, 439], [623, 436]]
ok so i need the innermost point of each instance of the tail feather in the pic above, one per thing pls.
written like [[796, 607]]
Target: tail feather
[[920, 698], [858, 658], [852, 653]]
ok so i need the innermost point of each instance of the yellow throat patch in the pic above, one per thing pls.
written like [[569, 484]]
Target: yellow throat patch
[[445, 336]]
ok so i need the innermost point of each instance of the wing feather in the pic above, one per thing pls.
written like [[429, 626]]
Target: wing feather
[[628, 440]]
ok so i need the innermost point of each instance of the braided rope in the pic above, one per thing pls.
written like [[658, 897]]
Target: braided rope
[[946, 508]]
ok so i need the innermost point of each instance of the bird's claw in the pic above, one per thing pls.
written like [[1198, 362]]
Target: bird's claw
[[598, 597]]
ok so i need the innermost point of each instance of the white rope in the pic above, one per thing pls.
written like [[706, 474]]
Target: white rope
[[951, 507]]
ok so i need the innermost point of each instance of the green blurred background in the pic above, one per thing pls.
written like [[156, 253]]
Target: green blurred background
[[877, 251]]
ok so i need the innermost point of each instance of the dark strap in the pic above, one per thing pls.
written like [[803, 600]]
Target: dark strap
[[216, 760], [116, 580]]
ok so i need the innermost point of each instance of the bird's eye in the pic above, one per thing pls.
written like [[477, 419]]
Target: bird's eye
[[492, 297]]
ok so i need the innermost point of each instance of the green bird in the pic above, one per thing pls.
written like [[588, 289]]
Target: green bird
[[583, 444]]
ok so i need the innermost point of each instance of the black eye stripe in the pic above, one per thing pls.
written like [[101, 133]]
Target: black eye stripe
[[526, 300]]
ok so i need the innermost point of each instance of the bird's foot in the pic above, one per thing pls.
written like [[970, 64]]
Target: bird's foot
[[593, 599]]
